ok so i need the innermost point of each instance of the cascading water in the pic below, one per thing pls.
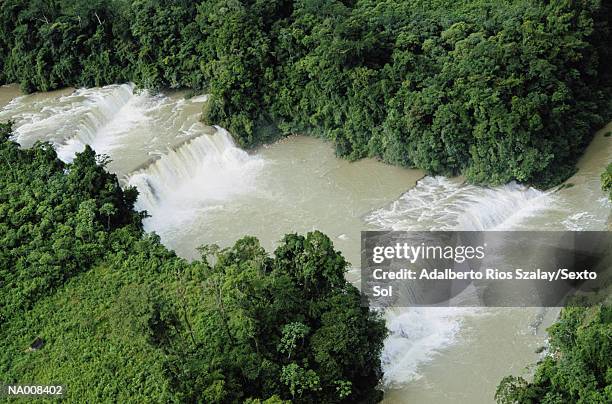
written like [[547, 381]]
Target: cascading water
[[100, 109], [128, 126], [69, 123], [178, 165], [439, 203], [415, 336], [196, 176]]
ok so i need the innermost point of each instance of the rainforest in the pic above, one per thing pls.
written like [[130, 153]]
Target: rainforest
[[183, 185], [119, 317], [497, 91]]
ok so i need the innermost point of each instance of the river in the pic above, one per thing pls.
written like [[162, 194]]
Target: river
[[200, 188]]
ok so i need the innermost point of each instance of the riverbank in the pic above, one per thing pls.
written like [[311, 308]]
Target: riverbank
[[586, 183]]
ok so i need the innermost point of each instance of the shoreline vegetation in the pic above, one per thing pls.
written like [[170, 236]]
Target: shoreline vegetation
[[577, 364], [496, 91], [90, 300]]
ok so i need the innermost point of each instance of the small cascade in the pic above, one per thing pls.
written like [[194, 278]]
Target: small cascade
[[101, 107], [68, 121], [414, 337], [439, 203], [114, 120]]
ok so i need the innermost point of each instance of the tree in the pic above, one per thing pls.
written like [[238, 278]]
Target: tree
[[496, 91], [125, 319], [577, 367]]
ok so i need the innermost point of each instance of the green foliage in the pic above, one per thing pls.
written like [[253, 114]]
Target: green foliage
[[495, 90], [122, 319], [578, 368], [278, 336], [299, 380], [292, 333], [56, 220], [606, 181], [50, 44]]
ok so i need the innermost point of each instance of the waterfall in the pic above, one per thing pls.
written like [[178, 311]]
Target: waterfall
[[69, 121], [199, 174], [178, 165], [102, 110], [415, 335], [439, 203]]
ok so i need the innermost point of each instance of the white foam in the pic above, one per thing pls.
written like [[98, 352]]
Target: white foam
[[579, 221], [108, 135], [199, 98], [416, 336], [69, 122], [196, 177], [438, 203], [109, 119]]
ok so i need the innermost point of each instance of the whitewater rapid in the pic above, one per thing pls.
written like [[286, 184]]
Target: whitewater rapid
[[419, 335], [72, 121], [439, 203]]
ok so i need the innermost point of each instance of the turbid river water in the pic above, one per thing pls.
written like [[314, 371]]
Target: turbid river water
[[199, 188]]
